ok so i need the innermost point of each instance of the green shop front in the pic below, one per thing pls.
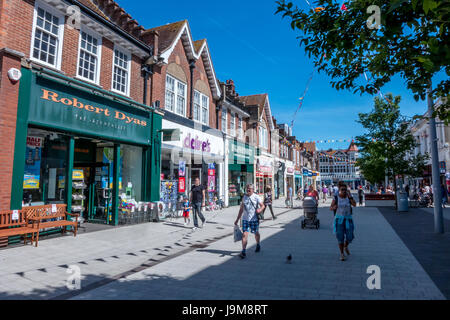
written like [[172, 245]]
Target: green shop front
[[241, 159], [79, 145]]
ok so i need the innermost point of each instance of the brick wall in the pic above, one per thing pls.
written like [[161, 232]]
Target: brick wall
[[16, 22], [179, 57], [9, 93]]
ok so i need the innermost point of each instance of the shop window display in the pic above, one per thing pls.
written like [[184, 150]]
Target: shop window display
[[45, 168]]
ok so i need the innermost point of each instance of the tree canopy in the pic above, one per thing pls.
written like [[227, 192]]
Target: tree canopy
[[412, 41], [388, 143]]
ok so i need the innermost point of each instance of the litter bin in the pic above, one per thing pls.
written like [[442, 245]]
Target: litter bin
[[402, 202]]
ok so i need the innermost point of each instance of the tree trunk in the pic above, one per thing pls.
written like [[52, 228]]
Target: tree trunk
[[395, 190]]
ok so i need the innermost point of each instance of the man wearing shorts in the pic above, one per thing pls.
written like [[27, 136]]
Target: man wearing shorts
[[251, 206]]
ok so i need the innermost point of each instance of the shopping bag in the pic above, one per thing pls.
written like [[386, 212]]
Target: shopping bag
[[237, 234]]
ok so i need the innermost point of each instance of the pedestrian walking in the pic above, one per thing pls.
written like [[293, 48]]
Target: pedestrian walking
[[251, 206], [325, 192], [313, 194], [343, 226], [186, 208], [335, 190], [289, 201], [407, 190], [444, 193], [360, 196], [198, 201], [268, 203], [319, 190]]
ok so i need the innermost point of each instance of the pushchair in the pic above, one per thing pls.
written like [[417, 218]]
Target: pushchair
[[310, 211]]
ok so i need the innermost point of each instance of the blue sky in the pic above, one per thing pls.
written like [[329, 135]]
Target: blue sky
[[260, 52]]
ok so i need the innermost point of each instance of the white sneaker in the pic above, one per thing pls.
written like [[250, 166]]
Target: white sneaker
[[185, 224], [194, 229], [203, 223]]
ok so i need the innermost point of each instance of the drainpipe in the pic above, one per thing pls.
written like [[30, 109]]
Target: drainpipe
[[191, 68]]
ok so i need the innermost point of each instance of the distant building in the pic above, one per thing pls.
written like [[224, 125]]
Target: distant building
[[420, 129], [340, 165]]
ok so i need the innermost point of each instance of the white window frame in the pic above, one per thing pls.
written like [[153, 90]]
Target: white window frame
[[203, 97], [222, 119], [232, 124], [201, 107], [176, 81], [240, 128], [99, 55], [128, 53], [61, 18], [263, 137], [197, 104]]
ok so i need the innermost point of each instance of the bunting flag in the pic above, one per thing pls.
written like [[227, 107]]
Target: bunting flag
[[343, 7]]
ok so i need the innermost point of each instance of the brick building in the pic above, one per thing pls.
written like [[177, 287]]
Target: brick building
[[76, 128]]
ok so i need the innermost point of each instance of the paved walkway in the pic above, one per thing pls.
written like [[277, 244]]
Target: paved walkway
[[158, 261]]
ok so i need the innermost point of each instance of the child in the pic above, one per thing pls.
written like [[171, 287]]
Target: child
[[186, 208]]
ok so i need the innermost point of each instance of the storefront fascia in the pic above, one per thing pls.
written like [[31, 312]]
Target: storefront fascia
[[198, 148], [298, 177], [264, 173], [53, 102]]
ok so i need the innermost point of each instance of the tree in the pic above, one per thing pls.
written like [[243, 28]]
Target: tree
[[412, 41], [388, 143]]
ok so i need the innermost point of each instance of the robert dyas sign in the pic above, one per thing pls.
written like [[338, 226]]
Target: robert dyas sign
[[57, 106]]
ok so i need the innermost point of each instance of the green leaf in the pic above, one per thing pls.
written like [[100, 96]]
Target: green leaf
[[429, 5]]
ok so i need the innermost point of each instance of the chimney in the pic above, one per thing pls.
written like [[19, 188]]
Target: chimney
[[231, 90], [151, 37]]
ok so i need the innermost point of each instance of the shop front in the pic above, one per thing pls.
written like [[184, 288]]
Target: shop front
[[197, 153], [280, 169], [290, 170], [307, 177], [264, 174], [93, 152], [298, 181], [241, 159]]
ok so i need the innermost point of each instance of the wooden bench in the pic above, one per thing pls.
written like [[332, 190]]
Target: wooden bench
[[20, 227], [43, 217]]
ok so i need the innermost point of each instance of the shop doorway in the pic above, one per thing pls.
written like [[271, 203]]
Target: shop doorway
[[196, 173], [93, 181]]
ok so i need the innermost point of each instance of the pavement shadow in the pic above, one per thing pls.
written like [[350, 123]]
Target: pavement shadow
[[315, 273]]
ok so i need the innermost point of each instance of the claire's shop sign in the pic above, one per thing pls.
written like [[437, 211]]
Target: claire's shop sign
[[197, 144]]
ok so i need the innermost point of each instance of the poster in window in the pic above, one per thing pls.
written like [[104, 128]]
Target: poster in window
[[211, 183], [182, 169], [182, 185], [33, 163]]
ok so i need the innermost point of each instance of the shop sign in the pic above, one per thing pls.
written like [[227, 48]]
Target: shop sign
[[240, 153], [298, 173], [211, 172], [56, 105], [197, 144], [34, 142], [212, 166], [78, 175], [194, 139], [182, 185], [31, 181], [290, 170]]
